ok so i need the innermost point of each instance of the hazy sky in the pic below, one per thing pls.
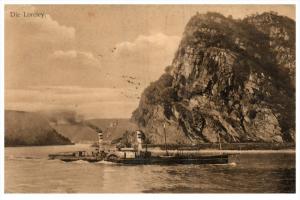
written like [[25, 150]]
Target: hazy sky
[[82, 57]]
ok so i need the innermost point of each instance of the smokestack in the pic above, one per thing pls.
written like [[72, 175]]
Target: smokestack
[[139, 140], [100, 141]]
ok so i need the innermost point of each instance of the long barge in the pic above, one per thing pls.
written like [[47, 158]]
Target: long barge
[[170, 160]]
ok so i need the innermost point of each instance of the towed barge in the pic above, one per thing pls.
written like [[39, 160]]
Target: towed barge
[[170, 160]]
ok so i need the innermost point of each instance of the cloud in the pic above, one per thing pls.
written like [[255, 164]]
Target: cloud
[[147, 54], [42, 51], [90, 102], [53, 28], [42, 54], [28, 44], [151, 45], [75, 58], [68, 54], [157, 40], [41, 29]]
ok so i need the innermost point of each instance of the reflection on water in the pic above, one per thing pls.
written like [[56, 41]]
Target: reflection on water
[[27, 170]]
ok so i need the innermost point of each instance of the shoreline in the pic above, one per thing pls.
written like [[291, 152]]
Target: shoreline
[[208, 151], [174, 151]]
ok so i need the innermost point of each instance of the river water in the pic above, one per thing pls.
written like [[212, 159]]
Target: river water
[[28, 170]]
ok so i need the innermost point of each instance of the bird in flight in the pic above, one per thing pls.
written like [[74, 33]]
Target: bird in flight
[[113, 49]]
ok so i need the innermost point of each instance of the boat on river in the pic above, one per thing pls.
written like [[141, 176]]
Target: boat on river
[[130, 156], [94, 156], [141, 156]]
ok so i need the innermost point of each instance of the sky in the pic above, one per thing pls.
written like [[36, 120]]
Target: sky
[[96, 59]]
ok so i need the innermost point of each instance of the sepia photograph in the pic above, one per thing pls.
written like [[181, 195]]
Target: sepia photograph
[[149, 98]]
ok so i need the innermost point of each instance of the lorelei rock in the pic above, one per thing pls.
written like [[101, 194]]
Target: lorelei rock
[[231, 80]]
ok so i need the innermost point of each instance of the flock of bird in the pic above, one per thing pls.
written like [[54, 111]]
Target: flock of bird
[[112, 51], [129, 79]]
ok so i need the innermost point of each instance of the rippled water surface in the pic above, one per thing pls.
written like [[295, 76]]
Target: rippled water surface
[[27, 170]]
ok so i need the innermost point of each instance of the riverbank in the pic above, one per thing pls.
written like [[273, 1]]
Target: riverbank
[[217, 151], [225, 146]]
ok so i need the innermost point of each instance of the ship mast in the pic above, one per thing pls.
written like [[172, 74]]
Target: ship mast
[[139, 140], [100, 141]]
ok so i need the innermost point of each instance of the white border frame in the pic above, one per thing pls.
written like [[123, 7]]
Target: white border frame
[[144, 196]]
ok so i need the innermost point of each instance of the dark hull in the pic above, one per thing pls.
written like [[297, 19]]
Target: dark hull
[[148, 160], [215, 159]]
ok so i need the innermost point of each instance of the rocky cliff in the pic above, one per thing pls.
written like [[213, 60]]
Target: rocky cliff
[[230, 81]]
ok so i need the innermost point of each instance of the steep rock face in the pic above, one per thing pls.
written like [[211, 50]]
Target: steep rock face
[[281, 33], [230, 81]]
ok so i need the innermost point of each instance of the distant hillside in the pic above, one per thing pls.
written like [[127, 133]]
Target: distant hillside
[[114, 128], [72, 126], [30, 129], [77, 133]]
